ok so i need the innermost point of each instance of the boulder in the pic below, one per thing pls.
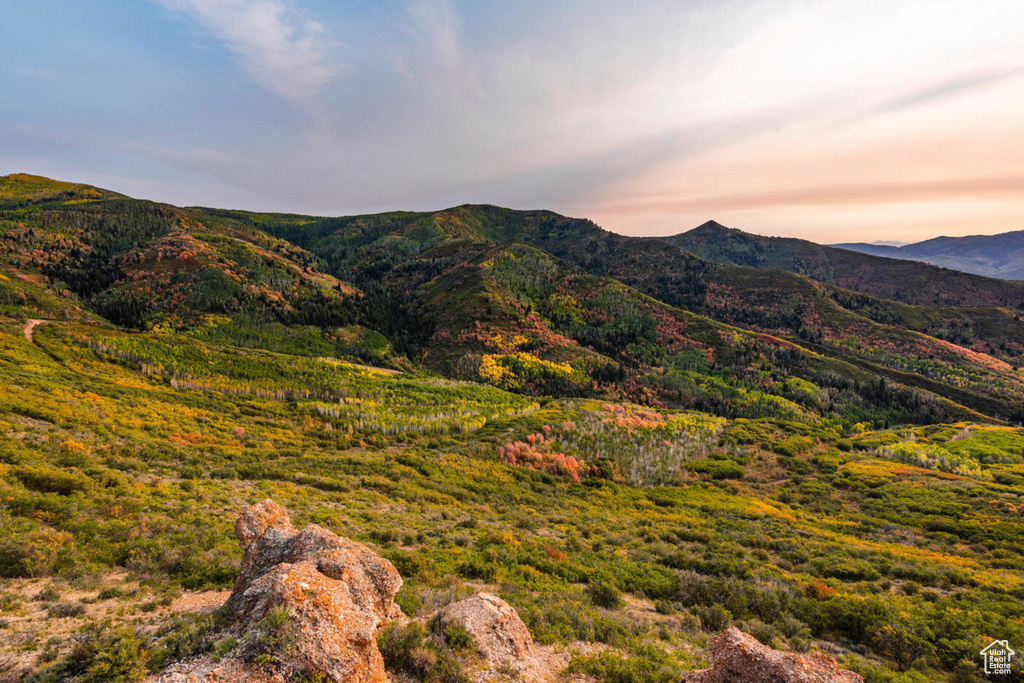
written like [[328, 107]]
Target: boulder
[[337, 595], [740, 658], [501, 636], [337, 592]]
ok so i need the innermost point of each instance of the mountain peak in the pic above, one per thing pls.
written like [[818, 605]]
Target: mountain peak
[[712, 225]]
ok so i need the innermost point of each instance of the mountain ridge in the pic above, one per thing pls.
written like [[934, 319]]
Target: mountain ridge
[[528, 300], [999, 256]]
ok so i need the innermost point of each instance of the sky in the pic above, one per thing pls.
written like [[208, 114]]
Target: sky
[[829, 120]]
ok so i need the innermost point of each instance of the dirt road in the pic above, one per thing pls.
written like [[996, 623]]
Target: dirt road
[[29, 326]]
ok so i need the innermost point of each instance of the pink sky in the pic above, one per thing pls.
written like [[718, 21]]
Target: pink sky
[[833, 120]]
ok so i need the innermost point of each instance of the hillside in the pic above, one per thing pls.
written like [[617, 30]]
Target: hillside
[[867, 273], [397, 253], [998, 256], [978, 313], [461, 292], [633, 446], [70, 251]]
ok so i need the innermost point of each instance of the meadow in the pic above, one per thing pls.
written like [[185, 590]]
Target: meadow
[[127, 455]]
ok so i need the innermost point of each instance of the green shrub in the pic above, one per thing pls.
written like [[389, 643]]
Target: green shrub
[[479, 569], [104, 654], [604, 594], [49, 594], [713, 618], [408, 649], [717, 469], [458, 638], [63, 610], [224, 645], [793, 446], [614, 668], [183, 637], [274, 638], [48, 480]]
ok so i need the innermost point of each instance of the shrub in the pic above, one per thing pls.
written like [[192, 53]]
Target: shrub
[[614, 668], [458, 638], [714, 618], [764, 633], [480, 569], [104, 654], [62, 610], [604, 594], [717, 469], [792, 446], [274, 638], [966, 671], [37, 553], [408, 649], [184, 637], [223, 646], [49, 594]]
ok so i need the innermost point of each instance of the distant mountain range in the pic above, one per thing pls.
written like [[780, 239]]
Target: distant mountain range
[[859, 270], [1000, 256]]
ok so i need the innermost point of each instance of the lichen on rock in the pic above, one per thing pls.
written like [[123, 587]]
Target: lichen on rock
[[310, 603], [501, 636], [740, 658], [336, 593]]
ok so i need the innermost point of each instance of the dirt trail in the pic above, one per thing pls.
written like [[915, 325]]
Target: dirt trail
[[30, 325]]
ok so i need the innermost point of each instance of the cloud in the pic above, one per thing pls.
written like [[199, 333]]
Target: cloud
[[951, 87], [283, 50], [437, 22], [859, 194]]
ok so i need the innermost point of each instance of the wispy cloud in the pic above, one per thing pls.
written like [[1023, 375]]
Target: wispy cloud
[[437, 22], [284, 51], [873, 193], [951, 87]]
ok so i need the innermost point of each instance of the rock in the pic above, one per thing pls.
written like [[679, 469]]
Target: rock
[[338, 594], [208, 671], [739, 658], [500, 635]]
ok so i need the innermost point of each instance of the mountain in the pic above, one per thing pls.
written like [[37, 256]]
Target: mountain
[[885, 278], [980, 313], [999, 256], [76, 251], [397, 253], [635, 446], [527, 300]]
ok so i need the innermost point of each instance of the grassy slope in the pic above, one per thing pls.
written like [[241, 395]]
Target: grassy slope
[[69, 250], [120, 445], [218, 275]]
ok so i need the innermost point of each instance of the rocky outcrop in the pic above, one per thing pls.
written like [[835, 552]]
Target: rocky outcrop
[[740, 658], [501, 636], [337, 594]]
